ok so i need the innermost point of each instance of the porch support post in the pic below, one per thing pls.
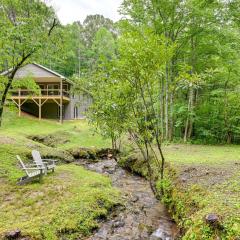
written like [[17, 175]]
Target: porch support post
[[61, 101], [19, 107], [19, 103], [40, 109]]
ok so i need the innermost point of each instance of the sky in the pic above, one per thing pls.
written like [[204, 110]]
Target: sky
[[69, 11]]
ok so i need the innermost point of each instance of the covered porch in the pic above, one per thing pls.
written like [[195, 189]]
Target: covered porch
[[49, 107]]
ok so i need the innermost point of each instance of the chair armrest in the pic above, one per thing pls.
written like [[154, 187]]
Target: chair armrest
[[31, 168], [32, 165], [48, 160]]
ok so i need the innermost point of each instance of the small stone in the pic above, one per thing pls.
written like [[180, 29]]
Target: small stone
[[183, 179], [13, 234], [134, 199], [212, 219], [110, 171], [118, 224], [160, 235]]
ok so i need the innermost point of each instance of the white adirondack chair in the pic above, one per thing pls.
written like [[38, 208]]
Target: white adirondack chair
[[32, 172], [46, 164]]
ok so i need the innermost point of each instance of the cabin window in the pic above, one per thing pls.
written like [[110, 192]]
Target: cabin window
[[65, 87], [53, 89], [42, 87], [75, 112]]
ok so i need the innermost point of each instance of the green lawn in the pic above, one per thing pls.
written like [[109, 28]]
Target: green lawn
[[202, 154], [67, 203], [79, 132]]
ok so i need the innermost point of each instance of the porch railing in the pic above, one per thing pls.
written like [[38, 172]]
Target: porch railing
[[43, 93]]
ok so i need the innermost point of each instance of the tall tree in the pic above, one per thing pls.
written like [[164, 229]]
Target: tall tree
[[26, 26], [92, 24]]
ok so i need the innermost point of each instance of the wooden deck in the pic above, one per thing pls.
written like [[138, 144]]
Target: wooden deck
[[58, 96], [32, 98]]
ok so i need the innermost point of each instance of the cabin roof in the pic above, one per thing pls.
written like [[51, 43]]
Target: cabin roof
[[42, 72]]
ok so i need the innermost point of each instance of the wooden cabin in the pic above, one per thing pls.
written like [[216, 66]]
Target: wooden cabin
[[56, 100]]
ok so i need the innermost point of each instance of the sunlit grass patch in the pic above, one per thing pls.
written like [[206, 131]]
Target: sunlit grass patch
[[78, 131]]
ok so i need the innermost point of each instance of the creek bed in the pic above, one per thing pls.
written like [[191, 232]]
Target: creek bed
[[143, 216]]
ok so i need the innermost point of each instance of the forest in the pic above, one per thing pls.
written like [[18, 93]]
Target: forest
[[191, 64]]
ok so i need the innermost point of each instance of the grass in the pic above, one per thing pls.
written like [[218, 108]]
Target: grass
[[78, 131], [67, 204], [202, 154]]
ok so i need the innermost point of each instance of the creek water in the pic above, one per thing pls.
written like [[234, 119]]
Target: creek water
[[142, 217]]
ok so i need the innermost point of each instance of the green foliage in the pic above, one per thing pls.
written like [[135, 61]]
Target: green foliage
[[25, 28], [206, 38]]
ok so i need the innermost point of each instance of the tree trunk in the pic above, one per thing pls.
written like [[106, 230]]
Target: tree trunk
[[166, 104], [4, 97], [162, 107], [188, 127], [9, 84], [171, 123], [171, 120], [192, 91]]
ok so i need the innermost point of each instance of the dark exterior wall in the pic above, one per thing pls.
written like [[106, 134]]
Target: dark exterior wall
[[49, 110], [31, 108]]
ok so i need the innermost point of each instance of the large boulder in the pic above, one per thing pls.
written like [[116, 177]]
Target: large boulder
[[54, 153], [92, 153], [83, 153]]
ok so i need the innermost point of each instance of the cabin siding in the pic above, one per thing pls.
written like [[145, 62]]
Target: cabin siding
[[81, 103], [33, 71]]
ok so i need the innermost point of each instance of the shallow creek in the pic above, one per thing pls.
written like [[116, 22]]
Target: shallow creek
[[143, 216]]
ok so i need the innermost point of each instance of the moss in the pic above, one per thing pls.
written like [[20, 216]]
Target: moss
[[51, 140], [92, 153], [83, 153]]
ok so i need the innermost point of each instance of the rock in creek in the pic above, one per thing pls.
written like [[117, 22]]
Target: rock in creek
[[159, 234], [118, 223], [15, 234]]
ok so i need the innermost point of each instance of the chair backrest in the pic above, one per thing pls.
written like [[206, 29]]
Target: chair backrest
[[22, 164], [37, 158]]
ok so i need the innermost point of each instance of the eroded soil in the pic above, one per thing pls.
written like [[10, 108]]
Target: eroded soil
[[206, 176]]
